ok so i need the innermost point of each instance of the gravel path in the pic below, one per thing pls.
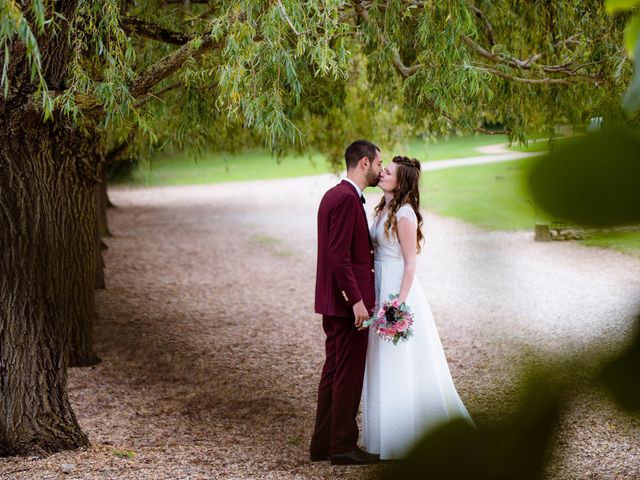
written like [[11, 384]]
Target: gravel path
[[490, 154], [211, 350]]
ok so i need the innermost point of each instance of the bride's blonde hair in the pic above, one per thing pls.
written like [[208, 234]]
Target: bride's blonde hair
[[407, 191]]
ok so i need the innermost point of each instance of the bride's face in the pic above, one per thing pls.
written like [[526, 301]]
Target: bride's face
[[388, 180]]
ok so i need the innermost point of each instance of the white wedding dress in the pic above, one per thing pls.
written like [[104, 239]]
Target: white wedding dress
[[408, 388]]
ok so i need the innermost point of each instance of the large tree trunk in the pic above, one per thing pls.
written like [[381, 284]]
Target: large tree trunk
[[47, 264], [100, 282], [102, 224], [88, 258], [102, 204], [101, 228]]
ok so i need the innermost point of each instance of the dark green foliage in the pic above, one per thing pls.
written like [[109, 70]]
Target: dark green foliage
[[514, 447], [121, 170], [286, 69], [594, 180], [621, 375]]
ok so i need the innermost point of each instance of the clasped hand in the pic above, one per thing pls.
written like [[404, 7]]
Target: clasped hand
[[361, 315]]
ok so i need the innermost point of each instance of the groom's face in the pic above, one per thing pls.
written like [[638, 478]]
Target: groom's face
[[375, 167]]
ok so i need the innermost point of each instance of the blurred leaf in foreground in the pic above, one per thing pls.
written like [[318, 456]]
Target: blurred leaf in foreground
[[515, 447], [593, 180], [631, 99], [621, 375]]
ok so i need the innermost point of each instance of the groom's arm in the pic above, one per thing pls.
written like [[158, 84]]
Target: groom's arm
[[341, 227]]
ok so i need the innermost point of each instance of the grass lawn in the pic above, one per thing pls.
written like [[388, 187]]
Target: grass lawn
[[539, 145], [455, 147], [179, 169], [494, 197], [491, 196], [628, 242]]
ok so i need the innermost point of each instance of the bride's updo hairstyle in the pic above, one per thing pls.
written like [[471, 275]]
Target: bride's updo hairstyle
[[407, 191]]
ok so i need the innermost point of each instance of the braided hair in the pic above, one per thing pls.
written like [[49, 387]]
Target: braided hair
[[407, 191]]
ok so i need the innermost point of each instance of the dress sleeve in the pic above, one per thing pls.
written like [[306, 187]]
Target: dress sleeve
[[406, 211]]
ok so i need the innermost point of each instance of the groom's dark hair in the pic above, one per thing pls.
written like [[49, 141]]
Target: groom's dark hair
[[357, 150]]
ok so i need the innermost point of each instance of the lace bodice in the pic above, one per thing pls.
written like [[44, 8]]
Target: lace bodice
[[389, 248]]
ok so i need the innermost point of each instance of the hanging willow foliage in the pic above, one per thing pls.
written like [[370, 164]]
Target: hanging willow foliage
[[200, 74]]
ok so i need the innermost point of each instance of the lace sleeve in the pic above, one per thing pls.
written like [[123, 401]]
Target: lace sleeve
[[406, 211]]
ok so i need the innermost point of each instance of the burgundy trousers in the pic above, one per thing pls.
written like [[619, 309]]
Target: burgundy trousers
[[340, 389]]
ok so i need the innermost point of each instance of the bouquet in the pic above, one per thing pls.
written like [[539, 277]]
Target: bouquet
[[393, 321]]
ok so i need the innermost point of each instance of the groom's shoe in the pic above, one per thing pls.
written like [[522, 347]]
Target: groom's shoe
[[318, 458], [357, 456]]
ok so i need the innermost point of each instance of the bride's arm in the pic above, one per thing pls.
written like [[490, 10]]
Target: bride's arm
[[408, 237]]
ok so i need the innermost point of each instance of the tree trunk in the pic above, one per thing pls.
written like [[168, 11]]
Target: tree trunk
[[102, 204], [81, 352], [100, 281], [47, 264], [542, 233], [101, 225]]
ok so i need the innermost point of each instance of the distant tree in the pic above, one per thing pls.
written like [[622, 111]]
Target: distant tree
[[85, 82]]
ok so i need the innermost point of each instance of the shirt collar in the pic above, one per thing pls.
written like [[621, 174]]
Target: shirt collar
[[358, 191]]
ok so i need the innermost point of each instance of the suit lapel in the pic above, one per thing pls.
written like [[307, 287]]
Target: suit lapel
[[364, 213]]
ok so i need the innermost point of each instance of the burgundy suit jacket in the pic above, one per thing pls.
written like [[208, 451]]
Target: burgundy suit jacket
[[345, 271]]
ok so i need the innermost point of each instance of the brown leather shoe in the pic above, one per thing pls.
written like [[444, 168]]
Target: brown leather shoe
[[357, 456]]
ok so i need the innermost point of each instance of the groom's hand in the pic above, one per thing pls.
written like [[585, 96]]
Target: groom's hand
[[360, 313]]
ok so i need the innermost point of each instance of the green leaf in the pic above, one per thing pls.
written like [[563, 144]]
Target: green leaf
[[631, 32], [591, 180], [507, 448], [617, 5], [631, 99], [620, 375]]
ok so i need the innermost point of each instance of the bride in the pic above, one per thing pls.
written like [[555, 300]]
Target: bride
[[408, 388]]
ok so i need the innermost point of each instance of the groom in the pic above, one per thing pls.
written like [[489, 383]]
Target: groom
[[345, 297]]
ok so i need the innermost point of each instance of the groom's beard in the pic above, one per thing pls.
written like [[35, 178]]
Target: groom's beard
[[372, 178]]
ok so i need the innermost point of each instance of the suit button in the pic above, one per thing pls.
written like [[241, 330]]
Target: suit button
[[371, 252], [373, 270]]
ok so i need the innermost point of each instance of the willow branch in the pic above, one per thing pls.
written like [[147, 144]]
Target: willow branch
[[153, 31], [486, 131], [487, 26], [286, 17], [566, 69], [158, 94], [397, 61], [408, 71], [168, 65], [547, 80]]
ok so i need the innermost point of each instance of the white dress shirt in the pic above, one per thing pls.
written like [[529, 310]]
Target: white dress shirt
[[354, 184]]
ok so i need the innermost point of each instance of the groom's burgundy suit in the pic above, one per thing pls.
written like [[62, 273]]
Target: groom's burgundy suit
[[345, 275]]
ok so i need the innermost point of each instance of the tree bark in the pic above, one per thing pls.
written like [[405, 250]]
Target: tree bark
[[47, 264], [100, 281], [81, 352], [102, 203]]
